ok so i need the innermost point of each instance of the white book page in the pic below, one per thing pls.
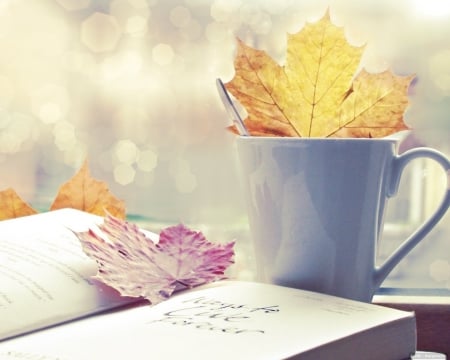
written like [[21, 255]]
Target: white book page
[[223, 321], [45, 277]]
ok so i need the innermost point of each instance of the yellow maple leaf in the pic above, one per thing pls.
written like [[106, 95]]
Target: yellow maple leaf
[[13, 206], [316, 94], [85, 193]]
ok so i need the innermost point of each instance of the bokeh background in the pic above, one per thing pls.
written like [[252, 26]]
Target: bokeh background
[[130, 86]]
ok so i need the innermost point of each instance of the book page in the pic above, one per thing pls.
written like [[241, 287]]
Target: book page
[[221, 321], [45, 277]]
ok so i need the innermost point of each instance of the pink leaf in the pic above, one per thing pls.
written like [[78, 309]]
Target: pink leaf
[[134, 265]]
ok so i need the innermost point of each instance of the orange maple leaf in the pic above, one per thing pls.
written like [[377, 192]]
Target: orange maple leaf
[[316, 94], [81, 192], [85, 193], [13, 206]]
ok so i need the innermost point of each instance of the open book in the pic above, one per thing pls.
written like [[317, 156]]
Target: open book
[[44, 280]]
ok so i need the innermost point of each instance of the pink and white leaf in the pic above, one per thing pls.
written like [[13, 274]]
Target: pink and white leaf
[[129, 261]]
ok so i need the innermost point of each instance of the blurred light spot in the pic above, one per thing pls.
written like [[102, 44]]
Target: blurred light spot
[[109, 68], [439, 67], [126, 151], [75, 155], [178, 165], [263, 25], [64, 134], [22, 126], [185, 182], [162, 54], [35, 35], [124, 64], [141, 4], [81, 62], [17, 130], [259, 21], [100, 32], [431, 8], [5, 118], [104, 160], [9, 144], [440, 270], [144, 179], [4, 5], [216, 32], [6, 91], [249, 13], [197, 2], [192, 31], [73, 4], [131, 62], [147, 160], [274, 7], [124, 174], [133, 20], [224, 10], [50, 113], [371, 60], [50, 103], [136, 25], [6, 23], [180, 16]]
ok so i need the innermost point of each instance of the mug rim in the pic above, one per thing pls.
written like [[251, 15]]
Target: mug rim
[[390, 140]]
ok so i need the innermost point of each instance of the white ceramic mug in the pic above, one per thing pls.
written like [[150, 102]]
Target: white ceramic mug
[[316, 206]]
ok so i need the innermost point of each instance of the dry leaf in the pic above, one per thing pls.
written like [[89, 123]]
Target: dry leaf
[[375, 107], [12, 206], [81, 192], [85, 193], [316, 94], [133, 264]]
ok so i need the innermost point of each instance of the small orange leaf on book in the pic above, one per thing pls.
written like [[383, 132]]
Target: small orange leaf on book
[[318, 92], [85, 193], [12, 206]]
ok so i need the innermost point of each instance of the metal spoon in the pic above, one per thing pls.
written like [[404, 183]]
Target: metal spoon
[[231, 109]]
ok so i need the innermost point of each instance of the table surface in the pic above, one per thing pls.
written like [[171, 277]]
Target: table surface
[[432, 309]]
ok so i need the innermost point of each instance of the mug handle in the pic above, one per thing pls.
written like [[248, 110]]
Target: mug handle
[[398, 166]]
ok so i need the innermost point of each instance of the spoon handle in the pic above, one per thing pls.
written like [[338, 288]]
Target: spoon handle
[[231, 109]]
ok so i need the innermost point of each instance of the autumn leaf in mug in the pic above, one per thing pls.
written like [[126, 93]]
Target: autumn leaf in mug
[[135, 265], [319, 91]]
